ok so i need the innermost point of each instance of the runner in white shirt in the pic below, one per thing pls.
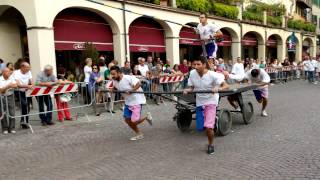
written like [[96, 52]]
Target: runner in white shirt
[[262, 78], [202, 79], [207, 33], [133, 101]]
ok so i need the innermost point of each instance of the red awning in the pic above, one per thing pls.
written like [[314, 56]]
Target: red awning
[[272, 42], [146, 35], [249, 40], [73, 27], [227, 41], [187, 36]]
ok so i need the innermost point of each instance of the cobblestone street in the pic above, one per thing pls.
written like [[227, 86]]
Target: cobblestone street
[[285, 145]]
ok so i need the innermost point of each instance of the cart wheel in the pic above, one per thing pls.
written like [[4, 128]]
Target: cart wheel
[[247, 112], [184, 119], [224, 122]]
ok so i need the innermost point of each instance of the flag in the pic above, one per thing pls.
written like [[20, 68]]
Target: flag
[[292, 43]]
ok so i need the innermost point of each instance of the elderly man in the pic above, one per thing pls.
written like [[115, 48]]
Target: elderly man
[[7, 82], [46, 78], [24, 81]]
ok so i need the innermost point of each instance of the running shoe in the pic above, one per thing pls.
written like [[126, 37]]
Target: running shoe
[[149, 118], [210, 150], [137, 137], [264, 113]]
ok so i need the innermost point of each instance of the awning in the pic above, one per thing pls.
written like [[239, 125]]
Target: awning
[[72, 28], [146, 35], [272, 42], [187, 36], [249, 40]]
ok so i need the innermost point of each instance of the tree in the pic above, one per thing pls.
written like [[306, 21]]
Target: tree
[[90, 52]]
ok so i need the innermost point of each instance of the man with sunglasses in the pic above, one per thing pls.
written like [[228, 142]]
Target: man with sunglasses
[[208, 33]]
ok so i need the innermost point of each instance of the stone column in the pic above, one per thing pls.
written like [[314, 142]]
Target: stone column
[[236, 50], [41, 49], [262, 52], [119, 48], [173, 50], [264, 17], [173, 3]]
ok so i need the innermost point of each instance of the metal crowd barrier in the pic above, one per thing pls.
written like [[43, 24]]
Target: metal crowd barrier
[[74, 96], [284, 74]]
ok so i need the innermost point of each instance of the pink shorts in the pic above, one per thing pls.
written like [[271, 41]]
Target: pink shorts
[[132, 112], [210, 115]]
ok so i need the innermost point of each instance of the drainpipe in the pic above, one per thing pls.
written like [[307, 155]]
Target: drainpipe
[[125, 29]]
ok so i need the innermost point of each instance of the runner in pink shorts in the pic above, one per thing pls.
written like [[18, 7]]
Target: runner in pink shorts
[[202, 79], [133, 101]]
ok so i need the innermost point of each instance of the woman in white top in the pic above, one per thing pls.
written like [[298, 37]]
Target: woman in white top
[[87, 71]]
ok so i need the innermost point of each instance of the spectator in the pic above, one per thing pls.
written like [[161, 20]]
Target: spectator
[[94, 82], [62, 106], [185, 70], [2, 64], [220, 66], [310, 69], [155, 77], [70, 76], [47, 79], [314, 63], [107, 72], [126, 70], [7, 82], [149, 62], [176, 72], [262, 64], [102, 67], [143, 68], [61, 72], [136, 71], [228, 66], [254, 64], [87, 71], [24, 81], [17, 65], [10, 66]]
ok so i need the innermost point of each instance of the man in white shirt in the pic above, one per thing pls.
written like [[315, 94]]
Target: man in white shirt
[[207, 33], [133, 101], [309, 65], [314, 63], [237, 74], [7, 82], [144, 70], [262, 78], [202, 79], [24, 81]]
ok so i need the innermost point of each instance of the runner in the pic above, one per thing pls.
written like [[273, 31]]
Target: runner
[[207, 33], [203, 79], [133, 101], [261, 77]]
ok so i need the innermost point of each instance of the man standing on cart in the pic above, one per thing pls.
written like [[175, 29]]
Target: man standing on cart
[[209, 33], [202, 79]]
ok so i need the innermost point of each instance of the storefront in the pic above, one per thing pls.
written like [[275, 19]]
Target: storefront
[[73, 28], [146, 37], [250, 46], [272, 50]]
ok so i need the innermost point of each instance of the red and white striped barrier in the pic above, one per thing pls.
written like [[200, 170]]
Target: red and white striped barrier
[[271, 70], [171, 79], [109, 84], [59, 89]]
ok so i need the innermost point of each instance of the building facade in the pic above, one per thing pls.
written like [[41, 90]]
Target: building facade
[[54, 31]]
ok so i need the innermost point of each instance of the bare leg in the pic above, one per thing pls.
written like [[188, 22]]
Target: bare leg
[[210, 135], [232, 102], [133, 126], [264, 103]]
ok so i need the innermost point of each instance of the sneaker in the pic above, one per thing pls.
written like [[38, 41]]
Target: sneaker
[[210, 150], [5, 132], [12, 131], [149, 118], [137, 137], [264, 113]]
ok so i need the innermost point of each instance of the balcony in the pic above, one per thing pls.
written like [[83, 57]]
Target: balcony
[[304, 3]]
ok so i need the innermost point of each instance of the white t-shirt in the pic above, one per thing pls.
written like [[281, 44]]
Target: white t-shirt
[[237, 72], [4, 83], [207, 31], [263, 77], [314, 63], [87, 71], [205, 83], [22, 78], [308, 65], [143, 69], [126, 84]]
